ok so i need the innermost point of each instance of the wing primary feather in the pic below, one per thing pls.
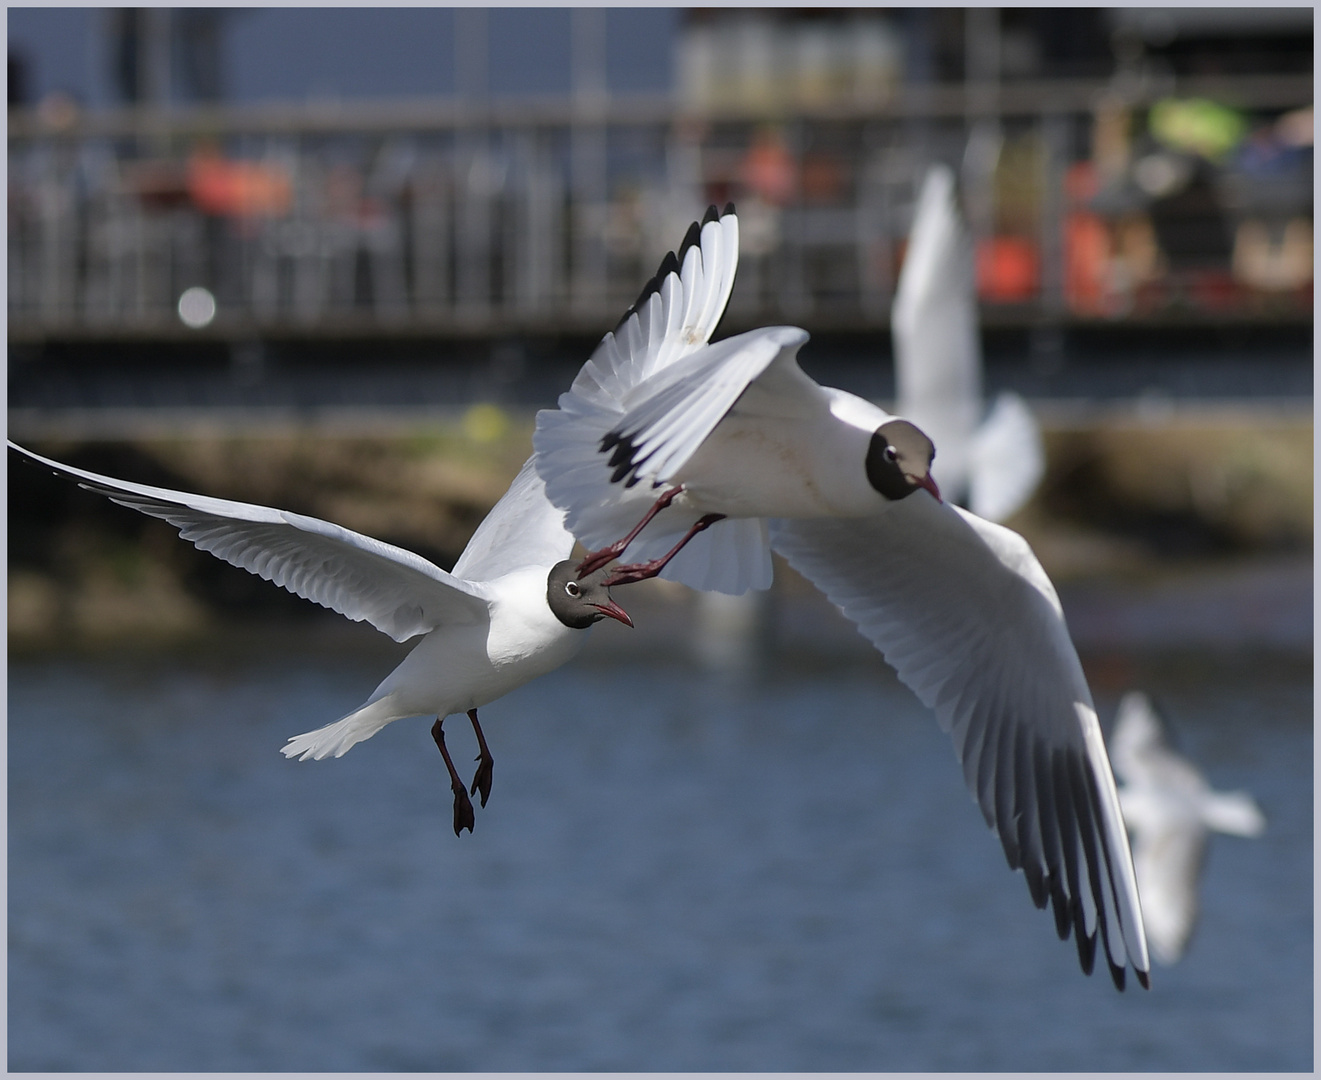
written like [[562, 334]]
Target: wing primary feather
[[669, 265], [1115, 937], [1087, 827], [1111, 936], [1004, 793], [986, 766], [1050, 838], [973, 749], [1059, 904], [693, 237], [1026, 814], [1069, 844], [712, 214]]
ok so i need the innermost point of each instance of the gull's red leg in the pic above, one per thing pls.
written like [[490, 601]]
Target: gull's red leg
[[626, 575], [596, 559], [463, 813], [482, 781]]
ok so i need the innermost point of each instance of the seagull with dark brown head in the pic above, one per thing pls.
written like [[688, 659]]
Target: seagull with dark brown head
[[514, 607], [699, 458], [660, 420]]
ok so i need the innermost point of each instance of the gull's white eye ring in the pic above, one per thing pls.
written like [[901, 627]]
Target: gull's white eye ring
[[572, 589], [891, 454]]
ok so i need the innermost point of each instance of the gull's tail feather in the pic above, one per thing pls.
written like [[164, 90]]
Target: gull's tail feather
[[334, 739]]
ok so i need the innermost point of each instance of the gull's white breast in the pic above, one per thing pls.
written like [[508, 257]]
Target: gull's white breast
[[457, 668]]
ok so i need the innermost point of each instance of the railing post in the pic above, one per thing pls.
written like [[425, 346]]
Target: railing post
[[1054, 151], [587, 154]]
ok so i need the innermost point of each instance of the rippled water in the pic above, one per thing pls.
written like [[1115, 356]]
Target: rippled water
[[673, 873]]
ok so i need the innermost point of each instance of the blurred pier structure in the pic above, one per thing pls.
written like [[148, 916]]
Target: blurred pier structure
[[497, 218]]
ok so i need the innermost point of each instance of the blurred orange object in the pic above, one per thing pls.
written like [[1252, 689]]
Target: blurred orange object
[[1008, 269], [769, 169], [1086, 255], [822, 178], [243, 189], [1086, 243]]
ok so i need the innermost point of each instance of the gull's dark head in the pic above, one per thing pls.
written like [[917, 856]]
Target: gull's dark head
[[899, 460], [580, 601]]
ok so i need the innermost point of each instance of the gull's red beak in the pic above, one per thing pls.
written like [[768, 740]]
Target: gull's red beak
[[614, 611], [929, 482]]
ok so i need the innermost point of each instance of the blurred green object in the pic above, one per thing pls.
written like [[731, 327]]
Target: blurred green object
[[1198, 126], [485, 423]]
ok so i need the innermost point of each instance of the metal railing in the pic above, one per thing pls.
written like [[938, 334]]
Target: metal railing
[[523, 217]]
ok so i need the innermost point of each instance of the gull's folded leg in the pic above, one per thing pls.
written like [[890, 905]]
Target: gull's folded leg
[[463, 812], [596, 559], [482, 780], [626, 575]]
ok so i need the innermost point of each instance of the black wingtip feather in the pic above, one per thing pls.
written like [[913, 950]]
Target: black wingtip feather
[[1060, 906], [1085, 800], [712, 214], [624, 458], [1086, 944], [1117, 974], [692, 238], [729, 209], [1036, 885], [669, 265], [1144, 978]]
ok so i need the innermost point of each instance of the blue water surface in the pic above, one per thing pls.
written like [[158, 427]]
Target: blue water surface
[[675, 872]]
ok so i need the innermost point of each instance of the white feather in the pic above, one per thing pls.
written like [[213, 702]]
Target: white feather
[[673, 320], [963, 611]]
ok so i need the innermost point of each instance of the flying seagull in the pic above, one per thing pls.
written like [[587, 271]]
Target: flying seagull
[[701, 458], [1171, 812], [990, 463], [513, 607], [728, 430]]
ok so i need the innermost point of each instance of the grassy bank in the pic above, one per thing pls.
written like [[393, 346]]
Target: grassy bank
[[1125, 496]]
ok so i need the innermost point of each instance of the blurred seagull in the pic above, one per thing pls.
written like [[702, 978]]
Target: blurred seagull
[[689, 434], [1171, 811], [990, 463], [513, 607]]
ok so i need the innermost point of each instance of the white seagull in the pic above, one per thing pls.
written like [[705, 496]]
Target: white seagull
[[1171, 812], [512, 608], [958, 605], [731, 430], [990, 463]]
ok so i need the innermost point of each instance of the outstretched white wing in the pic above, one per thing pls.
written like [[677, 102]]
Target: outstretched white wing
[[671, 322], [993, 464], [963, 611], [398, 592], [606, 466], [522, 529], [1170, 811], [677, 312], [938, 359]]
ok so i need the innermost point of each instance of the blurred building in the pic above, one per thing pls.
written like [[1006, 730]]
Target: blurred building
[[476, 171]]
